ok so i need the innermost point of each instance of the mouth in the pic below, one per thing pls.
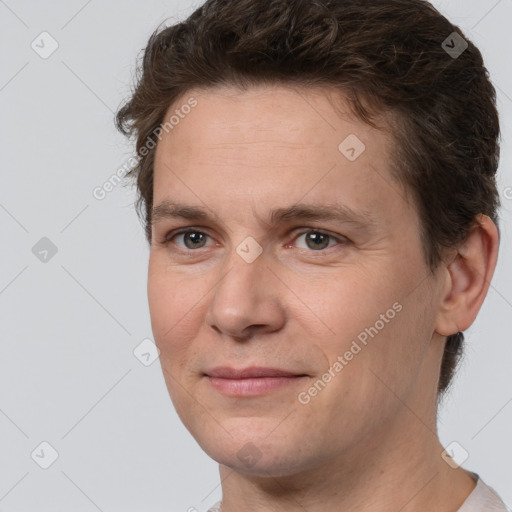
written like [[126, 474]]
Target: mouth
[[253, 381]]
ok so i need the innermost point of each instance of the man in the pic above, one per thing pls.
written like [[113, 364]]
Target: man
[[317, 180]]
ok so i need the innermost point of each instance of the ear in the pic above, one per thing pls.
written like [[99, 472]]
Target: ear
[[467, 278]]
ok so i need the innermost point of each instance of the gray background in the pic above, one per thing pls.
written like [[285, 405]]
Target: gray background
[[68, 328]]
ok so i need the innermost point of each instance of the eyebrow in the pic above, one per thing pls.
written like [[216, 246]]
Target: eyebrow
[[306, 212]]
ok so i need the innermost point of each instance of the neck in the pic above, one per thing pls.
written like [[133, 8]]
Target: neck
[[399, 475]]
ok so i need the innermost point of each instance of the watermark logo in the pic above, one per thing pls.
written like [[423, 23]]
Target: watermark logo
[[249, 249], [352, 147], [454, 45], [249, 454], [44, 455], [44, 250], [146, 352], [44, 45], [455, 455]]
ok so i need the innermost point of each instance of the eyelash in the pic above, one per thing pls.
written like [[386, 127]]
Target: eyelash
[[173, 234]]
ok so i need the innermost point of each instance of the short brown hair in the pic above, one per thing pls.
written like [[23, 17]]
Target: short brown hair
[[391, 54]]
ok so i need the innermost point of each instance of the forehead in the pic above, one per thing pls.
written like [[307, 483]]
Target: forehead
[[275, 145], [290, 118]]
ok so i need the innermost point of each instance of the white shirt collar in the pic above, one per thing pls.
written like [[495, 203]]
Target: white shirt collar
[[483, 499]]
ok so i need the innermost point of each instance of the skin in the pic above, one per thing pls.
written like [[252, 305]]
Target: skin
[[368, 440]]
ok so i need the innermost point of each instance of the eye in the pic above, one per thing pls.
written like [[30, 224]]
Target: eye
[[192, 239], [317, 240]]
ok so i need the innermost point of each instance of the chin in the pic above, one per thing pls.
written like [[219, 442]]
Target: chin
[[252, 450], [250, 460]]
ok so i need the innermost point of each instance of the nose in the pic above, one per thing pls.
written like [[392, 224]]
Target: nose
[[246, 300]]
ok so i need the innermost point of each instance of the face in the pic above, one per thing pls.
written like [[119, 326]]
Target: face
[[287, 285]]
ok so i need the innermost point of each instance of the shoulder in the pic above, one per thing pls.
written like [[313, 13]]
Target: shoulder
[[215, 508], [483, 499]]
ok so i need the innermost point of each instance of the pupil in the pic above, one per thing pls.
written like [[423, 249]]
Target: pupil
[[195, 238], [317, 239]]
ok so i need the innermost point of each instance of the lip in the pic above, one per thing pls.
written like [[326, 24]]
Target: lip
[[252, 381], [225, 372]]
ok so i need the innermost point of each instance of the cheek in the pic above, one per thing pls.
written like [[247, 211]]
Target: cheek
[[372, 321], [173, 307], [347, 303], [175, 318], [385, 348]]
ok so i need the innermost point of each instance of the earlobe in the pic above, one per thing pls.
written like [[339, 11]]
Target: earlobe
[[445, 325], [468, 277]]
